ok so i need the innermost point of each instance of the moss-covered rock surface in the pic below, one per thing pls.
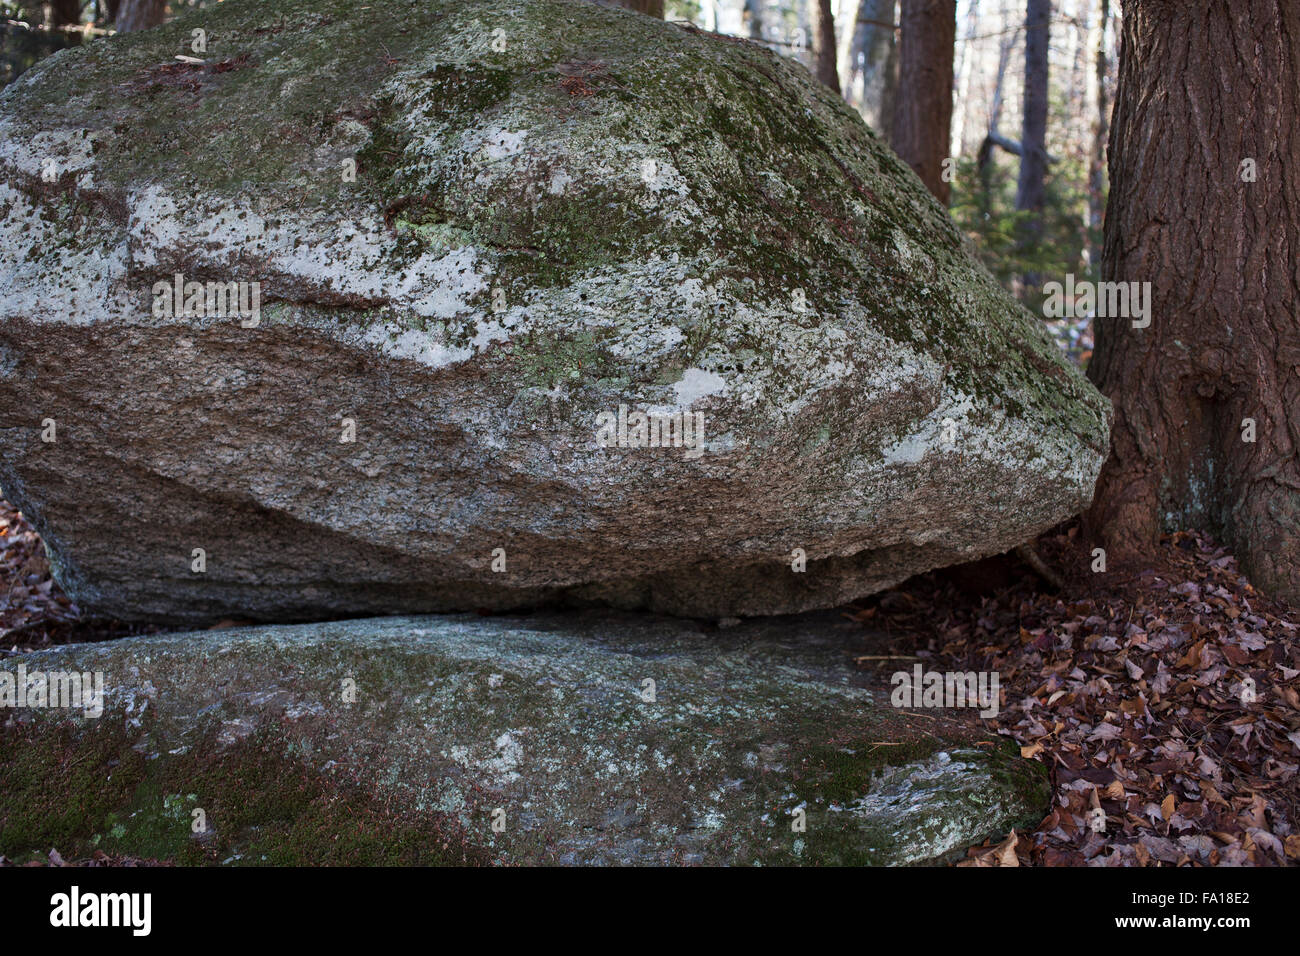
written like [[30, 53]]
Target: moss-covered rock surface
[[477, 227], [600, 738]]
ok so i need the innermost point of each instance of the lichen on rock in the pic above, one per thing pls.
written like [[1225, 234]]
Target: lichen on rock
[[558, 210], [596, 738]]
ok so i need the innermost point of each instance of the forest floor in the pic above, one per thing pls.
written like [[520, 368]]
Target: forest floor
[[1164, 699], [1166, 695]]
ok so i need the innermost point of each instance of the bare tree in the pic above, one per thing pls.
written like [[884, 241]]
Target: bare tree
[[65, 12], [964, 71]]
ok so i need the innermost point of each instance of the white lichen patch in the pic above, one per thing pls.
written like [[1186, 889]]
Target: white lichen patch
[[50, 154], [694, 385], [43, 279], [503, 768], [335, 257], [902, 801], [546, 225], [492, 144], [418, 345]]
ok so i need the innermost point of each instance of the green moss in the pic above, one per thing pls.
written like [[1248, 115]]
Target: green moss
[[546, 361], [84, 789], [56, 785], [1027, 780], [841, 774], [839, 777]]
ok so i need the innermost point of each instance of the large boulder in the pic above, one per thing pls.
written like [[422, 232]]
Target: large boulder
[[600, 738], [564, 219]]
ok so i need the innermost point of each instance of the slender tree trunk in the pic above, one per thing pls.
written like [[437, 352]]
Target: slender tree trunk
[[873, 54], [824, 49], [1097, 163], [984, 158], [923, 115], [1205, 205], [753, 17], [1077, 93], [135, 15], [1031, 194], [963, 72]]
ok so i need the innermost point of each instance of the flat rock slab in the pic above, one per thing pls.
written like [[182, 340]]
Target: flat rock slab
[[599, 738], [569, 229]]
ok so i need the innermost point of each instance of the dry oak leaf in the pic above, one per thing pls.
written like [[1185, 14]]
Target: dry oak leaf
[[1167, 807]]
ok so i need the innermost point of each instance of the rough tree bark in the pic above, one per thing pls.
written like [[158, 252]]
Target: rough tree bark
[[1031, 194], [1203, 88], [824, 49], [923, 112], [135, 15]]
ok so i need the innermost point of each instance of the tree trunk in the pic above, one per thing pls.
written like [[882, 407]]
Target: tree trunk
[[1031, 194], [824, 48], [1097, 163], [874, 54], [1204, 88], [753, 18], [65, 12], [984, 158], [135, 15], [923, 115], [651, 8], [963, 72]]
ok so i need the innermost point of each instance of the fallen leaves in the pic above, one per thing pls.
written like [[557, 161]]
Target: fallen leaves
[[27, 592], [1002, 855], [1165, 702], [34, 612]]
